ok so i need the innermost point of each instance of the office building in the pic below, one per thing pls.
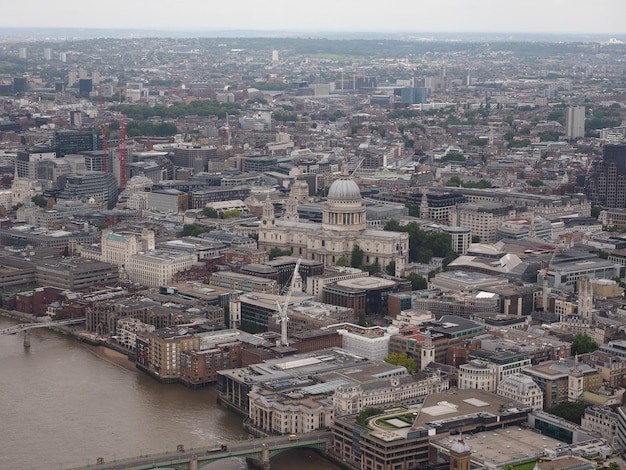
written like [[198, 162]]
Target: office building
[[85, 86], [72, 141], [575, 122], [19, 84], [606, 184], [94, 186], [416, 95]]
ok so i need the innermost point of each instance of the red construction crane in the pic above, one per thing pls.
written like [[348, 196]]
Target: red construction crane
[[104, 129], [122, 152]]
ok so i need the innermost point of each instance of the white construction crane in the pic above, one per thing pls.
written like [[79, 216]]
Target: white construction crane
[[545, 270], [282, 309]]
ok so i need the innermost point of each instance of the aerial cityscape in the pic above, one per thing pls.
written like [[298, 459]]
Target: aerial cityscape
[[258, 247]]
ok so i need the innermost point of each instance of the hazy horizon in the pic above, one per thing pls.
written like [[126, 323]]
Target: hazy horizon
[[573, 17]]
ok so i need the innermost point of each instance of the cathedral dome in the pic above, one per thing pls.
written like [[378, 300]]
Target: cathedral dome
[[344, 189]]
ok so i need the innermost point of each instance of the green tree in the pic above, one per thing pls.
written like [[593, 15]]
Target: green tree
[[572, 412], [418, 282], [414, 209], [583, 344], [518, 143], [371, 268], [535, 183], [363, 417], [481, 184], [454, 181], [231, 214], [391, 268], [453, 157], [193, 230], [402, 359], [595, 211], [357, 257], [276, 252], [342, 261], [210, 212], [39, 200]]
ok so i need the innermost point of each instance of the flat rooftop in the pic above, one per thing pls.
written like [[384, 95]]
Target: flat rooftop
[[366, 283], [443, 408], [502, 446]]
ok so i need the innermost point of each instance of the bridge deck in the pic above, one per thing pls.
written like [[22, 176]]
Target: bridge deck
[[248, 449]]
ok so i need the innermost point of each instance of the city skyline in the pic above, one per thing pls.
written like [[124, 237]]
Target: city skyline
[[447, 16]]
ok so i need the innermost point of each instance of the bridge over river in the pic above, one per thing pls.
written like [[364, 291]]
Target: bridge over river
[[259, 450], [26, 328]]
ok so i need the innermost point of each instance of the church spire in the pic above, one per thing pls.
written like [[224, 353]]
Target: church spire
[[345, 173]]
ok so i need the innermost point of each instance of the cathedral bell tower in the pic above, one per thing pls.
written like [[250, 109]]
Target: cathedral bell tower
[[268, 218]]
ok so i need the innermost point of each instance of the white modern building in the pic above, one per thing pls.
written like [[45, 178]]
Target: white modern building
[[370, 342]]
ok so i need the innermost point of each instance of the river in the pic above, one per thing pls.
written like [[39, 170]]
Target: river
[[63, 404]]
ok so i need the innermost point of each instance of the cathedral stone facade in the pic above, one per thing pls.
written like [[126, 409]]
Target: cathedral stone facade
[[343, 226]]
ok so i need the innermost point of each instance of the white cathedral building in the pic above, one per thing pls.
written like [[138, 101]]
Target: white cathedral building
[[343, 226]]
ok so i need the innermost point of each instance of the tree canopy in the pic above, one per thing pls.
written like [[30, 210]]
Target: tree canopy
[[572, 412], [210, 212], [357, 257], [583, 344], [39, 200], [423, 246], [417, 282], [193, 230], [198, 108], [402, 359]]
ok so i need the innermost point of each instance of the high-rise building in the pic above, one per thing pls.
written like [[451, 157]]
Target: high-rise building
[[72, 141], [606, 184], [85, 86], [22, 53], [47, 53], [575, 122], [414, 95], [19, 84]]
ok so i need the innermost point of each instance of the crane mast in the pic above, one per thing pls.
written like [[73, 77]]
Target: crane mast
[[547, 268], [282, 309]]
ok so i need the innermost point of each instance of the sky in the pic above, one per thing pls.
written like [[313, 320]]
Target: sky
[[515, 16]]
